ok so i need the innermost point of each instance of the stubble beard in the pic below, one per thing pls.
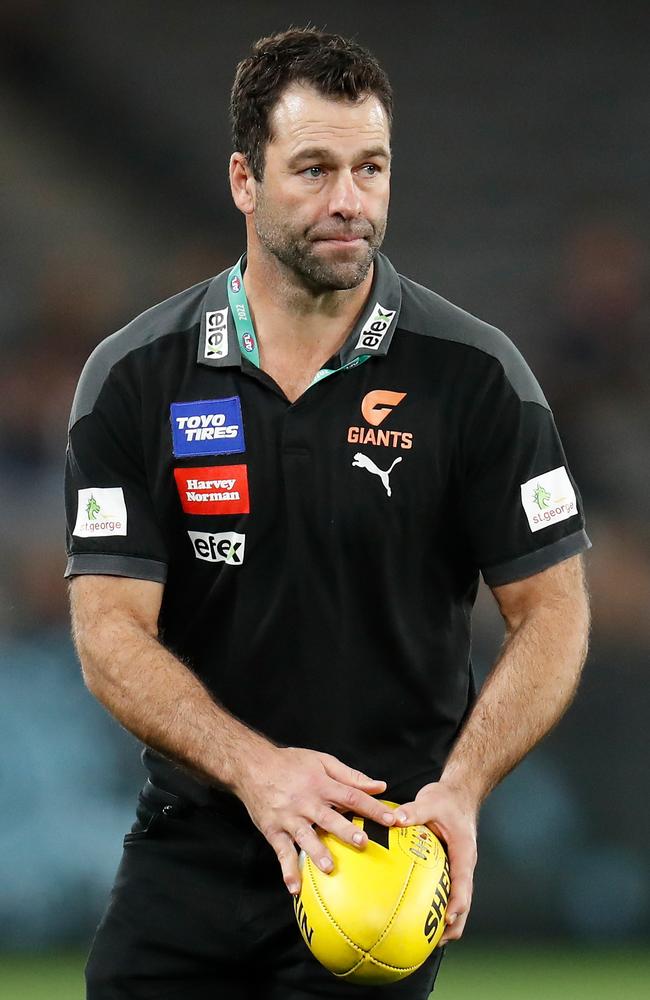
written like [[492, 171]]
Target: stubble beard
[[296, 251]]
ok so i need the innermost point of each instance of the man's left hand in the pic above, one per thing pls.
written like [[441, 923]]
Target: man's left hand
[[452, 815]]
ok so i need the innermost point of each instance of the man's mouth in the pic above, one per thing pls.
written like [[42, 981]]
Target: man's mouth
[[344, 239], [340, 236], [347, 238]]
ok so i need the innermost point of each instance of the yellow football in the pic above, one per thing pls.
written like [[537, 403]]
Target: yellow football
[[381, 911]]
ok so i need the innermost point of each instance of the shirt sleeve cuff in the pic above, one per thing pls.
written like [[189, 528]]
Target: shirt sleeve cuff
[[102, 564], [535, 562]]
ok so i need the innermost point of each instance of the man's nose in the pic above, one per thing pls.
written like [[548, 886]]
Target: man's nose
[[345, 198]]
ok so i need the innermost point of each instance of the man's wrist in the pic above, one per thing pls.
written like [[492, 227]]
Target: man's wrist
[[245, 761], [465, 784]]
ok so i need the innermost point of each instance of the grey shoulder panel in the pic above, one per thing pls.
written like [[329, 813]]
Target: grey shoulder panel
[[424, 312], [178, 313]]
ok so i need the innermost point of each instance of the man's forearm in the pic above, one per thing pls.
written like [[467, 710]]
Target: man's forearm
[[526, 693], [157, 698]]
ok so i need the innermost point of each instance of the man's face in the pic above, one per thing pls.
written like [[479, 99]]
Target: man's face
[[322, 204]]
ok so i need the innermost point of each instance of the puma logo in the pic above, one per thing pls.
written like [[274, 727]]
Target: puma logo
[[363, 462]]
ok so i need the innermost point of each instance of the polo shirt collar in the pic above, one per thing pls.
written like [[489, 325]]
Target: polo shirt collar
[[371, 336]]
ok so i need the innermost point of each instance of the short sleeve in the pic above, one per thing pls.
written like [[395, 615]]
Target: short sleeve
[[522, 510], [111, 523]]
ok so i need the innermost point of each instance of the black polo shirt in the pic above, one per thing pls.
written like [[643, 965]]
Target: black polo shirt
[[320, 558]]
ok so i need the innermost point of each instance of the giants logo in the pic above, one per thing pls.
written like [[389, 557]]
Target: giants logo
[[376, 406]]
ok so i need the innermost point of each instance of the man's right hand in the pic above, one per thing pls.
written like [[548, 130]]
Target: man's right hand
[[289, 790]]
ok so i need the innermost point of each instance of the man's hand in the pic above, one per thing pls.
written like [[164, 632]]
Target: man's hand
[[289, 790], [451, 815]]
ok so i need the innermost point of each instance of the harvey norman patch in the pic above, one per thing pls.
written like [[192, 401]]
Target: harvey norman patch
[[548, 498], [101, 511], [219, 489], [207, 427], [375, 328]]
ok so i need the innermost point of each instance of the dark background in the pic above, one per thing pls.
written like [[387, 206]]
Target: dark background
[[520, 192]]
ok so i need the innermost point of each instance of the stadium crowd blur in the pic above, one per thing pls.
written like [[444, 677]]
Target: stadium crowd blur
[[113, 164]]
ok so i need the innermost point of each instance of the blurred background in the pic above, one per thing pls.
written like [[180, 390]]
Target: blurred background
[[521, 192]]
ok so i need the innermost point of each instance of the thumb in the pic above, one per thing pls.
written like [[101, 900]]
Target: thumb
[[408, 814]]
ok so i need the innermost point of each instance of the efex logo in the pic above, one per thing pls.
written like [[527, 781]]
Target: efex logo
[[375, 407]]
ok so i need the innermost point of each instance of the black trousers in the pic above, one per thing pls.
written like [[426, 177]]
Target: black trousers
[[199, 910]]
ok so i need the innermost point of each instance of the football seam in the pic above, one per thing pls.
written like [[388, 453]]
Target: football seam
[[344, 975], [397, 968], [394, 914], [357, 947]]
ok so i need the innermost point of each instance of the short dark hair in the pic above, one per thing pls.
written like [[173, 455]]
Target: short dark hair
[[333, 65]]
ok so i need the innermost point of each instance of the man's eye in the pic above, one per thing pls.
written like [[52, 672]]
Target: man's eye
[[313, 172], [370, 168]]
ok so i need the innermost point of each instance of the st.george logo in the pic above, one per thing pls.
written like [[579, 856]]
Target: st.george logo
[[100, 511], [548, 498], [362, 461]]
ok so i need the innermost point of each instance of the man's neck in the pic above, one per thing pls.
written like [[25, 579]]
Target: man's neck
[[292, 320]]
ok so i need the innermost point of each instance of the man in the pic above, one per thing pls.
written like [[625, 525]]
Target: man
[[282, 485]]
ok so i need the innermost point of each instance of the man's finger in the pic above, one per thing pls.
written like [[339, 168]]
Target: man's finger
[[454, 931], [311, 844], [361, 804], [332, 822], [349, 776], [282, 844], [461, 849]]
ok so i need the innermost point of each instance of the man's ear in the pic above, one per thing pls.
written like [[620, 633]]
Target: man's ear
[[242, 183]]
